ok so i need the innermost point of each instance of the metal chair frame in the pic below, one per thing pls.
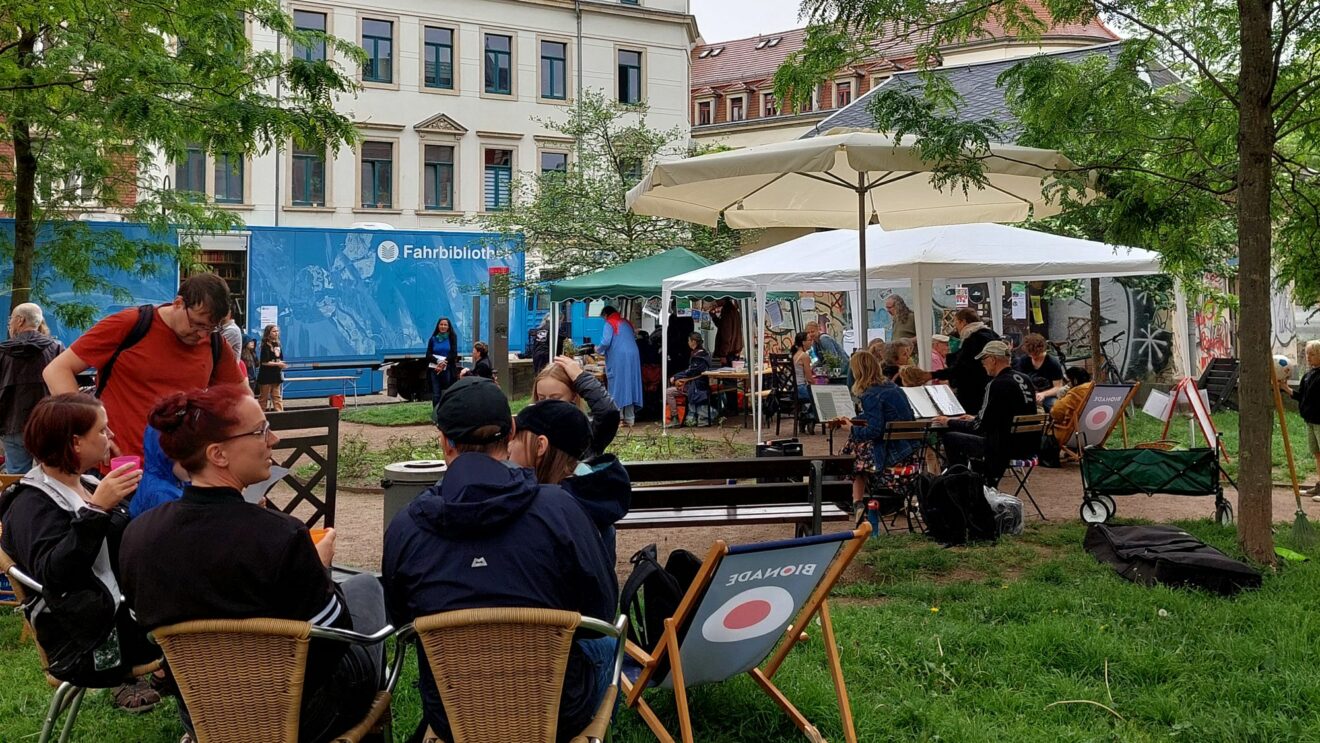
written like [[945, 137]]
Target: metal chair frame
[[1021, 469]]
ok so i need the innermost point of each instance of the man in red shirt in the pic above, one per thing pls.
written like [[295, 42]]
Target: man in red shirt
[[174, 356]]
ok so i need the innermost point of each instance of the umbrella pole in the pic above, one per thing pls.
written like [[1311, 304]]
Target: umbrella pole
[[861, 250]]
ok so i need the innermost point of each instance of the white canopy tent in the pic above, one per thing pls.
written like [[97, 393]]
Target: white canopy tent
[[826, 261]]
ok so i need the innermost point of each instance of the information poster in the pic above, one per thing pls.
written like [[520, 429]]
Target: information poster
[[960, 297], [1019, 300]]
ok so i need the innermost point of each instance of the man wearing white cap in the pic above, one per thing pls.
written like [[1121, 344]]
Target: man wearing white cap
[[986, 437]]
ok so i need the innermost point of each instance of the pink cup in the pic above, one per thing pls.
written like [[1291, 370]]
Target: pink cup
[[132, 459]]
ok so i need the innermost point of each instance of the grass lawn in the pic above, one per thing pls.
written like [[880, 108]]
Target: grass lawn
[[1010, 642], [361, 464], [406, 413], [1142, 427]]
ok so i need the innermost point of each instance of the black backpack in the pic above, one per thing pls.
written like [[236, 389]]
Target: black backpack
[[652, 594], [146, 314], [955, 509]]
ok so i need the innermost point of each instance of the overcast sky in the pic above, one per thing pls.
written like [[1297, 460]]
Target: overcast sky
[[721, 20]]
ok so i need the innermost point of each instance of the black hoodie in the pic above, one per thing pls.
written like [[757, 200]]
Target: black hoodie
[[1307, 396], [22, 359], [604, 492], [489, 536]]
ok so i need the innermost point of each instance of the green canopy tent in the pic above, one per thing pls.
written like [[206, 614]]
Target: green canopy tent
[[639, 278]]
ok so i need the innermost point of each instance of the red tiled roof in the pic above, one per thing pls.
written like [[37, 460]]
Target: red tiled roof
[[741, 60]]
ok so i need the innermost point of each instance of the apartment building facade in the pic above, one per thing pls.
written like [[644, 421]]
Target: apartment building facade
[[456, 99], [732, 95]]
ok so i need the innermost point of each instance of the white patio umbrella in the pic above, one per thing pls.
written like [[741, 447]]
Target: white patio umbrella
[[805, 182]]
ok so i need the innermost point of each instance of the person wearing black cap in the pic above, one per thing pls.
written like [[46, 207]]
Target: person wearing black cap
[[987, 437], [553, 438], [489, 536]]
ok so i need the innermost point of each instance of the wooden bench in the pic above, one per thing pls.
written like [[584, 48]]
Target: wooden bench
[[739, 492]]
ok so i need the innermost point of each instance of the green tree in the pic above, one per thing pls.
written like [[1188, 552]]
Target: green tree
[[1216, 160], [95, 93], [578, 221]]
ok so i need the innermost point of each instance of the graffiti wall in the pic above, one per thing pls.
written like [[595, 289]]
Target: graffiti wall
[[1135, 331]]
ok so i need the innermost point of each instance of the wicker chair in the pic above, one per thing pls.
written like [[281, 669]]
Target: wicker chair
[[500, 672], [67, 697], [242, 679]]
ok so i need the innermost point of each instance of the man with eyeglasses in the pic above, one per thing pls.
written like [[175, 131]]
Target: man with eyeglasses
[[176, 353], [22, 358]]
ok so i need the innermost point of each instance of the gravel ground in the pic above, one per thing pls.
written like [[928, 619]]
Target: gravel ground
[[358, 516]]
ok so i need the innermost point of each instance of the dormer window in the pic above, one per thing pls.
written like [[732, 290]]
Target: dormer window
[[716, 51], [774, 42], [761, 44], [704, 53]]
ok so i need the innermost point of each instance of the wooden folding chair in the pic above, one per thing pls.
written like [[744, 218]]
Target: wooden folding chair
[[67, 698], [744, 601], [904, 475], [500, 672], [242, 679], [1022, 467]]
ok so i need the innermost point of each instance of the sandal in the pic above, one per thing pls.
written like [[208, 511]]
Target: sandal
[[136, 698]]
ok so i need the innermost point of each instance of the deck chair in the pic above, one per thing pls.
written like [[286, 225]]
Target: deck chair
[[242, 679], [744, 601], [1022, 467], [68, 698], [500, 672]]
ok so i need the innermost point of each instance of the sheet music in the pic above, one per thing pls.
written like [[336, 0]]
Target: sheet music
[[944, 399], [832, 401], [922, 405]]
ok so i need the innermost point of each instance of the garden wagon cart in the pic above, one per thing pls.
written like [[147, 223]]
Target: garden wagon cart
[[1110, 472]]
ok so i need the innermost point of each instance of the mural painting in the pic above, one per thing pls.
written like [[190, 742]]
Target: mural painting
[[1214, 339]]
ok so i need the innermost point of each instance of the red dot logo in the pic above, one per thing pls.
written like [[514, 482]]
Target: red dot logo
[[751, 613], [747, 614], [1099, 417]]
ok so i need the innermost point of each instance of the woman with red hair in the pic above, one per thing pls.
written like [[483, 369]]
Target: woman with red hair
[[62, 528], [212, 554]]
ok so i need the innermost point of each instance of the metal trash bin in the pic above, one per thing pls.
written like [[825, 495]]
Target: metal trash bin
[[404, 481]]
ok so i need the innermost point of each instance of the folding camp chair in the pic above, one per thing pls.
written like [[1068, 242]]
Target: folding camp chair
[[904, 475], [1021, 468], [744, 601], [68, 698]]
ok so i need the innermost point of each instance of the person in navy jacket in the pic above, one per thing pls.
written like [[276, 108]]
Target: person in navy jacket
[[489, 535]]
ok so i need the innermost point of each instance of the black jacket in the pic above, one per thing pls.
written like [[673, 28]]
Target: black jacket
[[22, 359], [483, 368], [604, 414], [1008, 395], [699, 390], [605, 493], [1307, 396], [965, 374], [489, 536], [57, 549], [213, 555]]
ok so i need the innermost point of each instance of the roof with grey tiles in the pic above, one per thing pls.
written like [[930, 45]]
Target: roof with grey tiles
[[976, 83]]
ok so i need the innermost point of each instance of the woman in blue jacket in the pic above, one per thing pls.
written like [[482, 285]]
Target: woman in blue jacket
[[442, 358], [881, 401]]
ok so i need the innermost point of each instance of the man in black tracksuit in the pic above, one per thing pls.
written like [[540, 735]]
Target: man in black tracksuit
[[489, 536], [964, 372], [986, 437]]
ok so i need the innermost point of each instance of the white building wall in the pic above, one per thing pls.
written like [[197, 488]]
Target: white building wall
[[661, 29]]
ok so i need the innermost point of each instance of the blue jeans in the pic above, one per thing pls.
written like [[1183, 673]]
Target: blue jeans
[[600, 653], [17, 459]]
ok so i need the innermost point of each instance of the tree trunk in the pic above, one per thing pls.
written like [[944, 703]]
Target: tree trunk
[[25, 189], [1255, 141], [1095, 331]]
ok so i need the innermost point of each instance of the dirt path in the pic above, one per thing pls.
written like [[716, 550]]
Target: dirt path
[[1057, 491]]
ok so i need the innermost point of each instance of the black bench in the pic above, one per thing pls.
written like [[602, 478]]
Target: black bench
[[742, 492]]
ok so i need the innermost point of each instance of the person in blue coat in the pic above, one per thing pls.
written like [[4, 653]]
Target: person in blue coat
[[882, 402], [623, 363]]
